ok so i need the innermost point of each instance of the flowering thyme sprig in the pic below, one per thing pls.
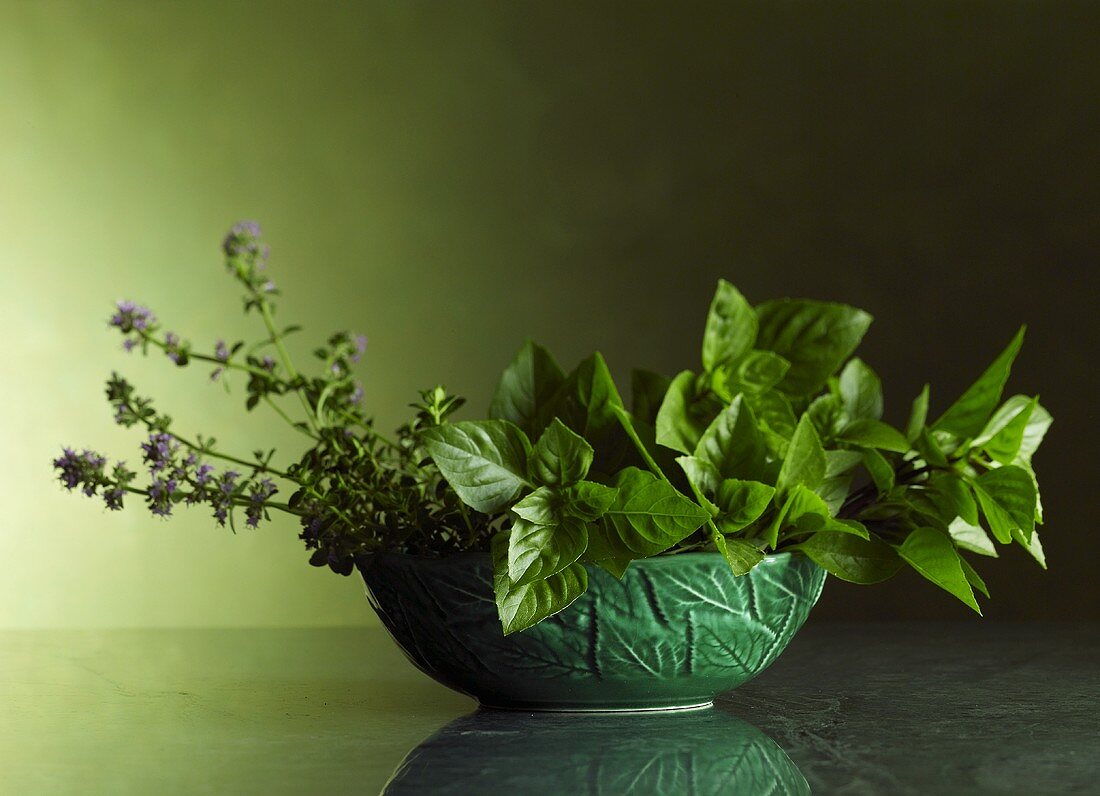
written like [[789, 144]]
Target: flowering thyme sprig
[[355, 491]]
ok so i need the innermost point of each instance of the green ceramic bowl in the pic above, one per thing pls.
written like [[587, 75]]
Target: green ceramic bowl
[[675, 632]]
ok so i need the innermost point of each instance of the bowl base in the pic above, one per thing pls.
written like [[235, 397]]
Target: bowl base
[[537, 707]]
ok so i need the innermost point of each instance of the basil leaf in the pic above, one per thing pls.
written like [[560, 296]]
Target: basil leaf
[[701, 474], [933, 555], [677, 426], [815, 337], [776, 420], [882, 474], [835, 490], [1003, 435], [647, 391], [972, 577], [757, 372], [851, 558], [520, 607], [918, 415], [730, 329], [615, 566], [733, 444], [649, 515], [1007, 496], [585, 400], [740, 555], [806, 512], [1035, 549], [535, 552], [589, 500], [560, 457], [828, 415], [527, 384], [967, 416], [1037, 426], [540, 507], [484, 461], [874, 434], [951, 495], [861, 391], [840, 462], [740, 503], [972, 538], [805, 461]]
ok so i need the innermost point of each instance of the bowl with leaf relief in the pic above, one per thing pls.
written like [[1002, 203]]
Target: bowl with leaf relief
[[673, 633]]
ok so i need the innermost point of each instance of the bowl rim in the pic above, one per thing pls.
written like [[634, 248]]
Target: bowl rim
[[660, 560]]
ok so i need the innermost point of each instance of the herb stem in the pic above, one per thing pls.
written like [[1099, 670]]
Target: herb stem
[[284, 356]]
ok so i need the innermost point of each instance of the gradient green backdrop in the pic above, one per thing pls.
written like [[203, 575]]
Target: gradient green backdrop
[[451, 178]]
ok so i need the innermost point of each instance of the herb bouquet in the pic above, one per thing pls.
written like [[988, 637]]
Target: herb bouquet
[[653, 556]]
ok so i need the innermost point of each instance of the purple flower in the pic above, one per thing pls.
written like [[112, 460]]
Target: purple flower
[[173, 348], [360, 347], [268, 364], [159, 450], [113, 499], [356, 394], [80, 469], [243, 240], [129, 344], [131, 317], [202, 474], [221, 351], [159, 497]]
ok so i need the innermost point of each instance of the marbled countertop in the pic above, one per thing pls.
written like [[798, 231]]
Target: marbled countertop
[[962, 708]]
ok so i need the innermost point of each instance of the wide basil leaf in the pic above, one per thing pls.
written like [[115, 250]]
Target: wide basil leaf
[[828, 415], [933, 555], [733, 444], [967, 416], [1037, 426], [541, 506], [804, 511], [840, 462], [952, 497], [616, 567], [731, 327], [1007, 496], [740, 555], [835, 490], [701, 474], [484, 461], [528, 383], [918, 415], [882, 474], [649, 515], [585, 400], [740, 503], [815, 337], [1035, 549], [1003, 435], [560, 457], [647, 391], [588, 500], [929, 449], [874, 434], [535, 552], [972, 538], [678, 427], [775, 418], [758, 371], [851, 558], [805, 460], [861, 391], [520, 607]]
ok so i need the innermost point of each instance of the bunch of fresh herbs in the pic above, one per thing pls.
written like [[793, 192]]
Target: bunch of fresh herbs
[[776, 445]]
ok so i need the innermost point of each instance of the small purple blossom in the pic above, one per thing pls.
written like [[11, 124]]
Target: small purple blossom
[[202, 474], [159, 450], [113, 498], [221, 351], [159, 496], [268, 364], [129, 344], [360, 347], [356, 394], [131, 317], [173, 348], [244, 241]]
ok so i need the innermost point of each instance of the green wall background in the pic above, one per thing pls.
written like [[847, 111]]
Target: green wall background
[[453, 178]]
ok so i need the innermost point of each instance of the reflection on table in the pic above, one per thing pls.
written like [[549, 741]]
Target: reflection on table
[[689, 752]]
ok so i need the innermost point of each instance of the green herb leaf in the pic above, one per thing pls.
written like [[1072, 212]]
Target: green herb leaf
[[541, 507], [972, 537], [701, 474], [918, 415], [535, 552], [805, 511], [589, 500], [677, 426], [932, 554], [851, 558], [882, 474], [731, 327], [805, 461], [874, 434], [1003, 435], [740, 503], [560, 457], [840, 462], [757, 372], [967, 416], [520, 607], [649, 515], [1007, 496], [484, 461], [815, 337], [740, 555], [647, 391], [733, 444], [972, 577], [526, 385], [861, 391]]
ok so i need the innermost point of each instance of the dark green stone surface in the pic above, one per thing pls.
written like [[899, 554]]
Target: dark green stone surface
[[874, 708]]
